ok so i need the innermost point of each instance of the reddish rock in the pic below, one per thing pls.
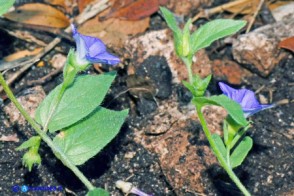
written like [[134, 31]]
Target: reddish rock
[[258, 50], [229, 70]]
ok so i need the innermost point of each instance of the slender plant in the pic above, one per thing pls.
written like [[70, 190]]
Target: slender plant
[[72, 111], [232, 149]]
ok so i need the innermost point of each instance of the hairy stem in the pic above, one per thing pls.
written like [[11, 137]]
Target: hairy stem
[[188, 64], [65, 160], [217, 153]]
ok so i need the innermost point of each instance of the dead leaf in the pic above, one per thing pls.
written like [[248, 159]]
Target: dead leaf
[[287, 44], [67, 5], [244, 7], [132, 9], [114, 31], [56, 2], [9, 138], [21, 54], [249, 6], [39, 14], [82, 4], [275, 4]]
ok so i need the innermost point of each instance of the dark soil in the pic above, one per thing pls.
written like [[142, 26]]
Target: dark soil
[[268, 170]]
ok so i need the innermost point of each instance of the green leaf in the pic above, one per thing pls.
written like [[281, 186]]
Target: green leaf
[[85, 139], [241, 152], [78, 101], [220, 145], [186, 39], [213, 31], [172, 24], [232, 107], [198, 86], [98, 192], [170, 20], [5, 5], [33, 141]]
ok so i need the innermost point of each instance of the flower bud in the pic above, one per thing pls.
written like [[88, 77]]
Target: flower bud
[[31, 157]]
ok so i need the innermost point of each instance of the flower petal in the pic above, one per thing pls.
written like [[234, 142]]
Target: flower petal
[[246, 98], [92, 49], [103, 58]]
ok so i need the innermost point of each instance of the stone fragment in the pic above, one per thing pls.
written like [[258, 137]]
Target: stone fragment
[[160, 43], [229, 71], [258, 50], [58, 61], [30, 101], [284, 12]]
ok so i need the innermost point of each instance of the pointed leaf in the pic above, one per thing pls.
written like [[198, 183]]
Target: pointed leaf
[[172, 24], [241, 152], [33, 141], [98, 192], [5, 5], [232, 107], [84, 140], [213, 31], [198, 86], [78, 101], [220, 145], [170, 20], [39, 14]]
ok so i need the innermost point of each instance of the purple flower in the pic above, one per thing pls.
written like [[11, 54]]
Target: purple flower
[[91, 50], [245, 98]]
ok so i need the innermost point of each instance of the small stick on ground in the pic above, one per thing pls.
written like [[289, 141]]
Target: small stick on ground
[[208, 12], [254, 16], [45, 78], [91, 11]]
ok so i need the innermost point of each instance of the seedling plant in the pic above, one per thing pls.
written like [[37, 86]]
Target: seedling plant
[[232, 149]]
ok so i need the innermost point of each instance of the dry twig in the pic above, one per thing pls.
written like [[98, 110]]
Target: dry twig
[[261, 2], [208, 12]]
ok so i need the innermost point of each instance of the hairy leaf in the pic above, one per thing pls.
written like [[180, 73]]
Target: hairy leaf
[[213, 31], [241, 152], [78, 101], [170, 20], [33, 141], [84, 140], [232, 107], [220, 145]]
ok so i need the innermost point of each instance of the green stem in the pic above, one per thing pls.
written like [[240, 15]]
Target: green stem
[[65, 160], [188, 64], [220, 158], [238, 136]]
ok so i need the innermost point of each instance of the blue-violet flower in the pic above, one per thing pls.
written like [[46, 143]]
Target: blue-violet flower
[[245, 98], [91, 50]]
